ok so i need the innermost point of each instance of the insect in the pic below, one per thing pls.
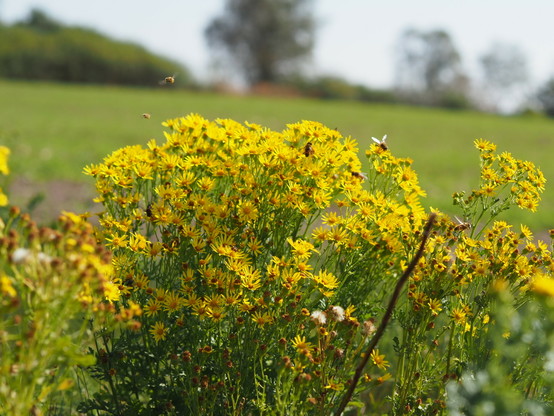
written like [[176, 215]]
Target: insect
[[168, 80], [461, 225], [359, 175], [382, 143], [146, 115], [149, 210], [309, 149]]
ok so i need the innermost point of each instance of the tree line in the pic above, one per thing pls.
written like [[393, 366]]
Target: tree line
[[269, 42], [40, 48]]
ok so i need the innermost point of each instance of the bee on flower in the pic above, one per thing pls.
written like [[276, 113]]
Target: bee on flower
[[381, 143], [309, 150], [359, 175], [461, 225]]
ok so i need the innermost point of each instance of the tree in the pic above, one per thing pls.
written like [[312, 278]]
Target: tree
[[41, 22], [428, 65], [505, 73], [545, 96], [266, 40]]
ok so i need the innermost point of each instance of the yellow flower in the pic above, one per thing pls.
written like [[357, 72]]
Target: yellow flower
[[4, 153], [320, 234], [332, 385], [543, 285], [434, 306], [300, 343], [143, 170], [262, 318], [338, 235], [6, 287], [459, 316], [172, 302], [216, 314], [111, 291], [137, 242], [326, 279], [290, 278], [484, 145], [159, 331], [250, 278], [332, 218], [116, 241], [205, 184], [301, 248], [247, 211], [152, 307], [379, 360]]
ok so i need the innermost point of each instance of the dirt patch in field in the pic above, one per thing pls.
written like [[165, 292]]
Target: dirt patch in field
[[46, 200]]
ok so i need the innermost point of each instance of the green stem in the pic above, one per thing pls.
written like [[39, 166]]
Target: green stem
[[449, 355]]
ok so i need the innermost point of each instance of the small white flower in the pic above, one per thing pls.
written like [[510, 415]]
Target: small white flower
[[21, 255], [318, 317]]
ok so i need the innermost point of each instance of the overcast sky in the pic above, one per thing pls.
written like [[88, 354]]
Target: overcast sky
[[355, 39]]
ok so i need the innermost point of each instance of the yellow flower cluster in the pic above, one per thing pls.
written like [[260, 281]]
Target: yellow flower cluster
[[217, 193], [240, 243], [502, 171]]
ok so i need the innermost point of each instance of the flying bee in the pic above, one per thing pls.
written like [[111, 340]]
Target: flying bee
[[359, 175], [146, 116], [309, 149], [382, 143], [168, 80], [461, 225]]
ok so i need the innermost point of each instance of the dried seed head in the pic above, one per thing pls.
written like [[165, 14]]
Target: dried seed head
[[21, 255], [336, 313], [318, 317], [369, 327]]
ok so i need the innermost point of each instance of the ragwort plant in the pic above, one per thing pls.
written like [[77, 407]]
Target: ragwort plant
[[51, 281], [263, 261], [448, 315]]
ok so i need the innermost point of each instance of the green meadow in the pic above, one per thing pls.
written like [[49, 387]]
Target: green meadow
[[55, 130]]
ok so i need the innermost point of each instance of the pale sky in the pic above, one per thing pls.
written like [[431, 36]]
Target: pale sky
[[355, 38]]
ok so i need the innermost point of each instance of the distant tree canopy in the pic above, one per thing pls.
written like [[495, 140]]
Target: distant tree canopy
[[428, 67], [266, 40], [545, 96], [41, 48], [504, 73], [504, 66]]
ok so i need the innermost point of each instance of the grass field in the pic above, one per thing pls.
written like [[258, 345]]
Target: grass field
[[54, 130]]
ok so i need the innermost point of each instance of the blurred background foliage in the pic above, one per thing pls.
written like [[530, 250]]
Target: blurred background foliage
[[40, 48], [266, 46]]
